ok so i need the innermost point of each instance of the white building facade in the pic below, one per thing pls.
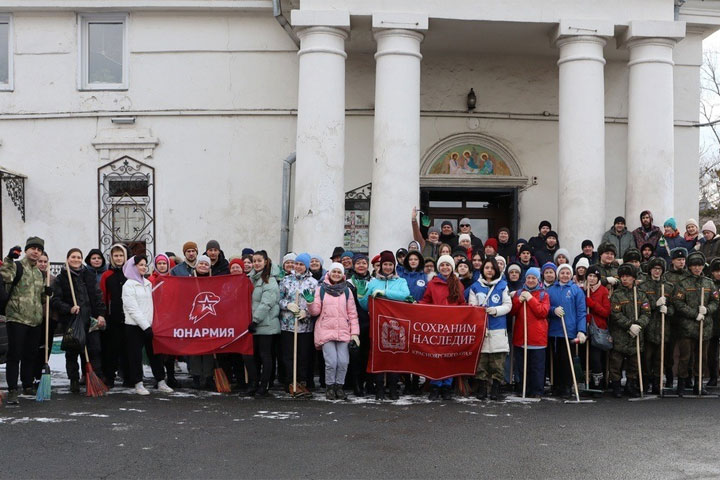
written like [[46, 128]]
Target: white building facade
[[307, 125]]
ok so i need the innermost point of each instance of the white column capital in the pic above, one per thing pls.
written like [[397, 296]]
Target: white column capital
[[398, 41], [581, 48], [652, 31], [322, 39], [578, 28], [320, 18], [406, 21]]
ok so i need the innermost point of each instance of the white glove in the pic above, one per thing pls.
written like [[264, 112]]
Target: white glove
[[634, 330], [612, 280], [559, 311], [581, 338], [293, 307], [525, 296], [301, 315], [491, 311], [355, 339], [702, 310], [661, 301], [700, 317], [663, 309]]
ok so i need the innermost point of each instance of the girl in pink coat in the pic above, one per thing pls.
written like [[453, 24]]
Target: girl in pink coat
[[335, 327]]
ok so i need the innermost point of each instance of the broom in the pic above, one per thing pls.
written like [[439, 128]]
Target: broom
[[44, 389], [221, 381], [94, 387]]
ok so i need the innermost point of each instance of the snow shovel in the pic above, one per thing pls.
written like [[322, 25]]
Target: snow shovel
[[572, 366], [700, 352], [639, 360], [515, 398]]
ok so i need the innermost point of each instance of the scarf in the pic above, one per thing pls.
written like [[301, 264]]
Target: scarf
[[690, 238], [528, 289], [131, 272], [676, 233], [335, 290]]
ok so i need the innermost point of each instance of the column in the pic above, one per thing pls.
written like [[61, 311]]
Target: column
[[651, 146], [319, 202], [581, 127], [396, 150]]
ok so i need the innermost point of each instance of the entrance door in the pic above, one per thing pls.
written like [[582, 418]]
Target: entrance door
[[487, 209]]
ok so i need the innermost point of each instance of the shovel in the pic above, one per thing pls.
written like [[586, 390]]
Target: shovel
[[572, 366]]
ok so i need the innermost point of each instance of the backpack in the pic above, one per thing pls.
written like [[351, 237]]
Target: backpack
[[6, 293], [322, 293]]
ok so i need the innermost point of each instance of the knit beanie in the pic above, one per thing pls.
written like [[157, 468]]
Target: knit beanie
[[304, 258], [446, 259], [583, 262], [464, 221], [36, 242], [709, 226], [247, 251], [238, 261], [544, 223], [347, 253], [360, 256], [189, 246], [593, 270], [515, 267], [670, 222], [492, 242], [587, 243], [433, 229], [318, 258], [565, 266], [161, 256], [525, 248], [289, 257], [549, 265], [619, 220], [464, 236], [212, 244], [561, 251], [552, 233], [203, 259], [338, 266], [446, 222], [692, 221], [386, 256], [534, 271]]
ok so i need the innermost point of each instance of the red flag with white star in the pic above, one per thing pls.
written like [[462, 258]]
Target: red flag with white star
[[202, 315]]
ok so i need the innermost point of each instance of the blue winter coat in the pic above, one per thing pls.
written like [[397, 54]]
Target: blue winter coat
[[675, 242], [395, 289], [572, 299], [416, 281], [499, 299]]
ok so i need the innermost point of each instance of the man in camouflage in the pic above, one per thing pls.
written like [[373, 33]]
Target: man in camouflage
[[632, 257], [24, 314], [695, 299], [627, 319], [652, 287], [608, 266], [675, 273], [713, 346]]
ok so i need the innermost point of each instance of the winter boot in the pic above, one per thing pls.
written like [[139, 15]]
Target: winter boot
[[30, 391], [680, 387], [617, 389], [171, 381], [164, 387], [196, 384], [446, 393], [394, 391], [633, 388], [340, 392], [330, 392], [12, 398], [655, 386], [482, 390], [379, 392], [74, 385], [434, 393], [712, 382], [669, 380], [702, 389], [495, 391]]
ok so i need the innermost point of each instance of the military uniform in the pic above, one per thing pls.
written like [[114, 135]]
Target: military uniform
[[622, 316], [609, 270], [712, 351], [673, 277], [652, 333]]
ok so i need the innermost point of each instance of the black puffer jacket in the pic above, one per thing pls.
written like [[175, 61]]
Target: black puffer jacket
[[88, 295]]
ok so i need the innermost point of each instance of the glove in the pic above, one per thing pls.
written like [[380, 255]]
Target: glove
[[661, 301], [380, 293], [252, 328], [525, 296], [293, 307], [700, 317], [634, 330], [410, 299], [491, 311], [612, 280], [15, 252], [148, 333], [361, 288], [308, 295], [663, 309], [355, 339], [559, 311], [48, 291], [702, 310], [580, 338], [301, 315]]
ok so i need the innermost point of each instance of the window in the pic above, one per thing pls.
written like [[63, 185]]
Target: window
[[103, 52], [6, 64]]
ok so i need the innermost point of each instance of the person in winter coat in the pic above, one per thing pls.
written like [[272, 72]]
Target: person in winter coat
[[236, 364], [95, 262], [444, 289], [43, 264], [491, 247], [429, 247], [219, 264], [525, 258], [710, 243], [608, 265], [265, 325], [660, 304], [598, 307], [465, 275], [691, 236], [538, 242], [386, 284], [549, 275], [201, 366], [464, 227], [567, 304], [647, 253], [588, 253], [670, 239], [514, 278], [546, 253], [360, 381], [162, 266], [691, 310], [477, 260], [447, 235], [287, 264], [646, 232], [630, 314], [531, 300], [491, 292], [505, 245], [581, 269], [186, 268], [675, 274], [112, 339], [138, 307], [619, 236], [336, 326], [296, 292], [89, 305], [316, 267], [414, 274]]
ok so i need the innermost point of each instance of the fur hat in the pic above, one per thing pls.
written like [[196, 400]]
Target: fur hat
[[678, 252], [627, 269], [631, 254], [607, 247], [657, 262]]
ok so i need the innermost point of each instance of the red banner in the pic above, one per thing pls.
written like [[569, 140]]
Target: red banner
[[435, 341], [200, 316]]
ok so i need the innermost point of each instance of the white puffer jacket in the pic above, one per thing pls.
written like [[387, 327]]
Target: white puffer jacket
[[138, 303]]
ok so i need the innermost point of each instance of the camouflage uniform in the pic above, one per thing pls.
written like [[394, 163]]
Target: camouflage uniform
[[673, 277], [713, 363], [609, 270], [687, 302], [652, 333], [26, 303], [622, 316]]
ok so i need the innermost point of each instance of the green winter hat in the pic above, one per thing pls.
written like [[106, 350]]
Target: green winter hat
[[627, 269], [35, 242]]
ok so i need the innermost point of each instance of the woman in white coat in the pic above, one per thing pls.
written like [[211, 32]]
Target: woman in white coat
[[138, 308]]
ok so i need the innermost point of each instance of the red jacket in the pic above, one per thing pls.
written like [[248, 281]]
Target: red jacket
[[437, 292], [599, 304], [538, 308]]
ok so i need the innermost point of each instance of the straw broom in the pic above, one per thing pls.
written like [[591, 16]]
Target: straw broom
[[44, 390]]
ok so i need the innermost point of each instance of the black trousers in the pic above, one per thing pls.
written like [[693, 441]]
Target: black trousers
[[357, 370], [72, 367], [305, 351], [40, 360], [561, 364], [22, 353], [263, 348], [712, 360], [114, 351], [236, 365], [136, 340]]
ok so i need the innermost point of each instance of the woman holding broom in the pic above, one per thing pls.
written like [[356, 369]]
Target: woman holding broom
[[89, 307], [138, 308]]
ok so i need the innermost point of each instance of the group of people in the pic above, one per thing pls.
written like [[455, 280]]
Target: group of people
[[609, 303]]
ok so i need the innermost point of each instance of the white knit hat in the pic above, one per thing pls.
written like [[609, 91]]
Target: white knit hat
[[564, 266], [692, 221], [289, 257], [583, 262], [203, 259], [338, 266], [446, 259], [710, 227], [464, 236]]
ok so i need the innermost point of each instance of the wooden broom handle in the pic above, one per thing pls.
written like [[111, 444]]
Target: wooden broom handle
[[72, 288]]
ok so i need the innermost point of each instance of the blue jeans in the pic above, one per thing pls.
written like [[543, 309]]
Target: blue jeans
[[446, 382]]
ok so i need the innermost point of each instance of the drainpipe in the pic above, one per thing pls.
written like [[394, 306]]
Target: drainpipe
[[678, 4], [285, 216], [277, 13]]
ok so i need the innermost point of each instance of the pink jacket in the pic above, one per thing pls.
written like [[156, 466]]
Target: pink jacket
[[338, 319]]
